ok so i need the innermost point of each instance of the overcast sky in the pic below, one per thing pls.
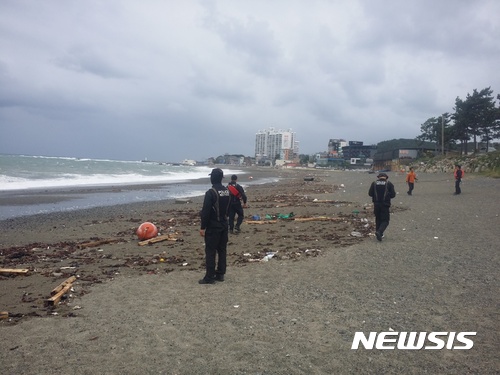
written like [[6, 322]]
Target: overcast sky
[[172, 80]]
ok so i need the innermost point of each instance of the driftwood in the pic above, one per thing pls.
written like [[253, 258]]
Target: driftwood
[[262, 222], [319, 218], [165, 237], [19, 271], [300, 219], [61, 286], [60, 291]]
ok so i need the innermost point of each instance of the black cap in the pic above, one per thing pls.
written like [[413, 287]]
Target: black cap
[[234, 177], [382, 175], [216, 172]]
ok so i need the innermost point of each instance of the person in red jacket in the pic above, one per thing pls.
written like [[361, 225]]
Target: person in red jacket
[[237, 194], [411, 177], [459, 174]]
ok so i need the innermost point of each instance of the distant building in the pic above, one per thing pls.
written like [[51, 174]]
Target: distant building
[[335, 147], [356, 150], [398, 158], [272, 144]]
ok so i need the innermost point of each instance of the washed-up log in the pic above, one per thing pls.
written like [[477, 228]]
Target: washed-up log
[[165, 237], [319, 218], [84, 245], [61, 286], [301, 219], [4, 315], [19, 271]]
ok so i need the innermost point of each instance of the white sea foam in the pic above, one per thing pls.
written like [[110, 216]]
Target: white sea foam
[[38, 172]]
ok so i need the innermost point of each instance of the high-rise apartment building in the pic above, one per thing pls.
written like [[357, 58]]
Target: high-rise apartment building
[[272, 144]]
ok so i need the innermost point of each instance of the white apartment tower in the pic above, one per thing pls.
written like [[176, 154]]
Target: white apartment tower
[[271, 142]]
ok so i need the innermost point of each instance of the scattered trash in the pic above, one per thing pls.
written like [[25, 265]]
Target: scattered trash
[[268, 257], [436, 238], [256, 217], [356, 234]]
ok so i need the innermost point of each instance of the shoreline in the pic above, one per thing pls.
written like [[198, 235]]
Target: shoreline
[[28, 202]]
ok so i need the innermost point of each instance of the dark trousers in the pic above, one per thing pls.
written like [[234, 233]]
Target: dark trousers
[[382, 217], [215, 247], [457, 187], [411, 185], [235, 209]]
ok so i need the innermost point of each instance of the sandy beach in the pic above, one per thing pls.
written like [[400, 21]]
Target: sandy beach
[[139, 309]]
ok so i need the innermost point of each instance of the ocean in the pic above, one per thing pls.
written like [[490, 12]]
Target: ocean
[[87, 183]]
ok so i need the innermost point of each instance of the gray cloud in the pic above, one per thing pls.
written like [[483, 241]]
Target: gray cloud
[[193, 79]]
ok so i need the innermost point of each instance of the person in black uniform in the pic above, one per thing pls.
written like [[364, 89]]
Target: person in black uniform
[[214, 228], [235, 207], [381, 191]]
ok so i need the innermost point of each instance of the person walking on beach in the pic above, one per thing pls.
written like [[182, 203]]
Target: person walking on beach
[[214, 228], [411, 177], [458, 179], [381, 191], [237, 194]]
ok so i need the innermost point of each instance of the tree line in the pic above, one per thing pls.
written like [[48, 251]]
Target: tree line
[[474, 118]]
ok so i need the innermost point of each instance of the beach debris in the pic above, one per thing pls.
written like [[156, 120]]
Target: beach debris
[[4, 315], [356, 234], [262, 222], [147, 231], [60, 290], [299, 219], [84, 245], [308, 178], [165, 237], [268, 256], [16, 271], [183, 200], [336, 202], [317, 218]]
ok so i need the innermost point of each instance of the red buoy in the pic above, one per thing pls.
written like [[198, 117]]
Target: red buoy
[[147, 231]]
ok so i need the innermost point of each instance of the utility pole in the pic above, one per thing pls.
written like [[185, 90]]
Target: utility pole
[[442, 135]]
